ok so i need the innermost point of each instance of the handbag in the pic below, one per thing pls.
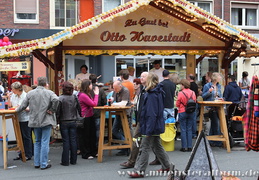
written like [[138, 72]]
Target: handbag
[[80, 122]]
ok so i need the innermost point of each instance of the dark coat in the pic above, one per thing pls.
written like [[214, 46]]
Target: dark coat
[[68, 109], [232, 93], [151, 119]]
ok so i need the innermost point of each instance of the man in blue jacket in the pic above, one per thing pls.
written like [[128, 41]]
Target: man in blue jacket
[[232, 91]]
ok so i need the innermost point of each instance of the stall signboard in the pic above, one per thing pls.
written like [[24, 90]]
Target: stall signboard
[[14, 66]]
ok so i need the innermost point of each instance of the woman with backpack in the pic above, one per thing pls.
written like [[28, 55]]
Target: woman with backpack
[[186, 103]]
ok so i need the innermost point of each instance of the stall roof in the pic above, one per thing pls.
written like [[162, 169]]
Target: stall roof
[[181, 10]]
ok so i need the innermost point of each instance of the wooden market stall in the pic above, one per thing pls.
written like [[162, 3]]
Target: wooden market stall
[[141, 27]]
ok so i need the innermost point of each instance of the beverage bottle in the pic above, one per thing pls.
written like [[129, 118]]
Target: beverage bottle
[[6, 104]]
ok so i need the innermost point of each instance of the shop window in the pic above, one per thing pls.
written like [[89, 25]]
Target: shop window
[[206, 5], [110, 4], [175, 64], [244, 15], [16, 69], [64, 13], [123, 64], [26, 11]]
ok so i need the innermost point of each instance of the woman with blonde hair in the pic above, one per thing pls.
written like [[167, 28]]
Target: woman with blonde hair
[[174, 77], [152, 124], [212, 91]]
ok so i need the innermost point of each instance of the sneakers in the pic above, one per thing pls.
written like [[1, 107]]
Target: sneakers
[[20, 158], [47, 167]]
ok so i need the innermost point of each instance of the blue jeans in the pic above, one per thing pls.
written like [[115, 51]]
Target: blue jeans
[[69, 138], [194, 126], [215, 127], [41, 146], [186, 123], [168, 112], [26, 138], [117, 130]]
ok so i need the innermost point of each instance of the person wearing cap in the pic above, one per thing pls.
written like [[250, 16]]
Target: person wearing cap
[[157, 70], [83, 74], [169, 89]]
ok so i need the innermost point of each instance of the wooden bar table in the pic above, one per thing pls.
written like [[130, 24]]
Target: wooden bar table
[[11, 114], [122, 144], [222, 121]]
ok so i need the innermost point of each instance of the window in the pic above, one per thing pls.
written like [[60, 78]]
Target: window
[[206, 5], [110, 4], [244, 15], [26, 11], [63, 13]]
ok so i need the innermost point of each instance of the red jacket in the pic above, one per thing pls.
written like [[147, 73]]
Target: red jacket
[[182, 100]]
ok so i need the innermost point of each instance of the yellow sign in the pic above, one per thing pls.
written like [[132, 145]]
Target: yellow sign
[[14, 66]]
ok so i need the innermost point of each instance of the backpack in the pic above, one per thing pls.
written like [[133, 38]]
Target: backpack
[[190, 106]]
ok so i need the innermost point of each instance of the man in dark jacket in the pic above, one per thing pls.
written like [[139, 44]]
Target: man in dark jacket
[[194, 88], [169, 89], [232, 91]]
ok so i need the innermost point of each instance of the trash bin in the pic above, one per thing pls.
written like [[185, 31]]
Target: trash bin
[[1, 151], [168, 137]]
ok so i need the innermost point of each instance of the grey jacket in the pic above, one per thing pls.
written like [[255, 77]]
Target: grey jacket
[[40, 100]]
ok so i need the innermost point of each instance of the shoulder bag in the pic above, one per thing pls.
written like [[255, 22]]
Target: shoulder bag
[[80, 119]]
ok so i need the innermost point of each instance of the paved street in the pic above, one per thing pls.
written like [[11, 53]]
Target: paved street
[[238, 160]]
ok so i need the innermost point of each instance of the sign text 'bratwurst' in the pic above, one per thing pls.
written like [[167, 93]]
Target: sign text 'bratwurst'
[[140, 36]]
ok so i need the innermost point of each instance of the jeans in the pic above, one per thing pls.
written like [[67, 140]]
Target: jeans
[[117, 130], [168, 112], [214, 126], [69, 138], [194, 126], [41, 146], [26, 138], [97, 127], [186, 123]]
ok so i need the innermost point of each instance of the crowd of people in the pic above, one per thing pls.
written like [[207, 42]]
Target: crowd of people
[[154, 97]]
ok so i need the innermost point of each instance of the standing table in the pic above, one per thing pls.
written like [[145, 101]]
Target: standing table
[[122, 144], [11, 114], [222, 121]]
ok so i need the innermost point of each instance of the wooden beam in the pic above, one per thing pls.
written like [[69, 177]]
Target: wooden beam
[[43, 58], [200, 59], [39, 58]]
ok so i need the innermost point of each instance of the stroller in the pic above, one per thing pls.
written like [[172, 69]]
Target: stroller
[[234, 122]]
